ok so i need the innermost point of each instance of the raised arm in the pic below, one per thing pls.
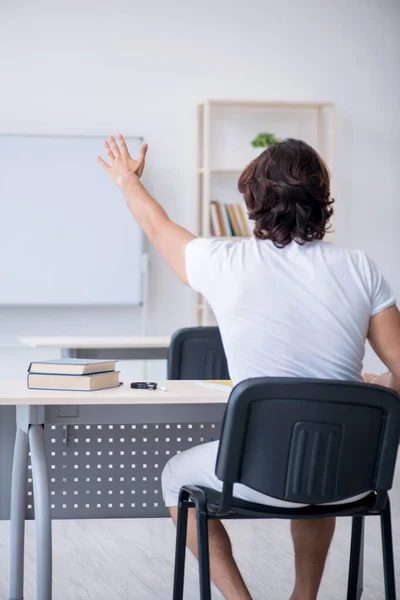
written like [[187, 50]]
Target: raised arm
[[384, 337], [169, 238]]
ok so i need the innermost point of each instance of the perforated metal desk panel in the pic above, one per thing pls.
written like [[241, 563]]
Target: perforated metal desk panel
[[105, 460]]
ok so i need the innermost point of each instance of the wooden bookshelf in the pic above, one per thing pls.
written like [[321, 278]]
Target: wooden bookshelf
[[225, 130]]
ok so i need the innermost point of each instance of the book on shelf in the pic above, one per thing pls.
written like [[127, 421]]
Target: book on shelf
[[220, 217], [72, 366], [233, 218], [227, 212], [243, 220], [227, 223], [76, 383], [228, 220], [212, 228], [214, 223], [236, 212]]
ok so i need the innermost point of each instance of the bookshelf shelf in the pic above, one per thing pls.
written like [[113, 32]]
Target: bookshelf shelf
[[271, 104], [234, 171], [225, 130]]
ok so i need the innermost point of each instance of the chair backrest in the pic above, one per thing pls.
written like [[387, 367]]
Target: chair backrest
[[197, 353], [310, 440]]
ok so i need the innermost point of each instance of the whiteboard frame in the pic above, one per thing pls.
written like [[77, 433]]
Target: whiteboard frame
[[144, 252]]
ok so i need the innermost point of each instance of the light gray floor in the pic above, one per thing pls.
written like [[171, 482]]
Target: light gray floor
[[133, 559]]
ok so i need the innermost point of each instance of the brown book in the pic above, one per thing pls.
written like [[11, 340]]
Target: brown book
[[228, 216], [227, 223], [244, 222], [213, 220], [212, 230], [236, 210], [233, 219], [220, 218]]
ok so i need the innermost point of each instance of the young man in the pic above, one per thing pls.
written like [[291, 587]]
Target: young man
[[287, 304]]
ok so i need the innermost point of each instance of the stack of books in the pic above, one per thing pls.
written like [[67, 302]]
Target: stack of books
[[228, 220], [76, 374]]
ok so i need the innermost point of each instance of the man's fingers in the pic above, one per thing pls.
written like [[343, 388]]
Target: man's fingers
[[368, 377], [109, 152], [123, 146], [142, 159], [141, 168], [114, 146], [116, 150], [142, 152], [103, 163]]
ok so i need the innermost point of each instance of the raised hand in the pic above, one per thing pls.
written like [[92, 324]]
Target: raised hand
[[122, 167]]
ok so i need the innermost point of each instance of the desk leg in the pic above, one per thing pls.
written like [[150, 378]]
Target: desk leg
[[17, 518], [41, 493]]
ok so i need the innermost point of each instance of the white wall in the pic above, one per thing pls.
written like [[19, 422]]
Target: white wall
[[99, 67]]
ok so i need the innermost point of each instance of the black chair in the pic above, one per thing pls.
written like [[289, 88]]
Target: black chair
[[197, 353], [308, 441]]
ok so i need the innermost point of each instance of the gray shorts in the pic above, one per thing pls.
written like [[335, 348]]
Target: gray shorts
[[197, 467]]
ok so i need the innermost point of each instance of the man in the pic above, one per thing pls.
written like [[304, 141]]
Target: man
[[287, 304]]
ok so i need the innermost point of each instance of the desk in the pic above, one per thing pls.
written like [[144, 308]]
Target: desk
[[76, 449], [109, 348]]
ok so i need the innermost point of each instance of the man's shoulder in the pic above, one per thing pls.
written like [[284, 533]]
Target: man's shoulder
[[224, 246], [336, 250]]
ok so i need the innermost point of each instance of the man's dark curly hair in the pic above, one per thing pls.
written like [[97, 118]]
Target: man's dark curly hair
[[287, 193]]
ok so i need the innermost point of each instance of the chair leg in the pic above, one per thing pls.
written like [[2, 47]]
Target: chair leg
[[356, 566], [202, 544], [180, 548], [387, 548]]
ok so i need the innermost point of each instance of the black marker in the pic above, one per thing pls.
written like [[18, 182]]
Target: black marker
[[147, 385]]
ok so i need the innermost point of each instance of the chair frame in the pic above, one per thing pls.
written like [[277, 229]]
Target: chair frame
[[196, 497]]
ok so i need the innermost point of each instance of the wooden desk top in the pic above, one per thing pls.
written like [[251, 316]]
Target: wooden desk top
[[94, 342], [16, 392]]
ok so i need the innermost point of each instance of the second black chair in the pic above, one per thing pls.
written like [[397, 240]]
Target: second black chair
[[197, 353]]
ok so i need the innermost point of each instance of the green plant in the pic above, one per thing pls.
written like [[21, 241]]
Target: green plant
[[264, 140]]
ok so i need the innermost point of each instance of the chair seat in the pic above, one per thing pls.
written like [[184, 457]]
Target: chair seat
[[243, 509]]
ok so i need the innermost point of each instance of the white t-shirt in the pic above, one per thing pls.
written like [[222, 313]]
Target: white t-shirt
[[298, 311]]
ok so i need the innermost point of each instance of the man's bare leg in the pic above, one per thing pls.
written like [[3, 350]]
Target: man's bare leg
[[311, 538], [224, 571]]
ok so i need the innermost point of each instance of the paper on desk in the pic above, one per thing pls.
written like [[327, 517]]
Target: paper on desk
[[221, 385]]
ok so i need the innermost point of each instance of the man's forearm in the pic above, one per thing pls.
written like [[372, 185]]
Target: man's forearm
[[145, 209], [169, 238], [166, 236]]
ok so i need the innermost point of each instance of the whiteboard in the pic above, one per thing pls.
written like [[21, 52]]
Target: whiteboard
[[66, 234]]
